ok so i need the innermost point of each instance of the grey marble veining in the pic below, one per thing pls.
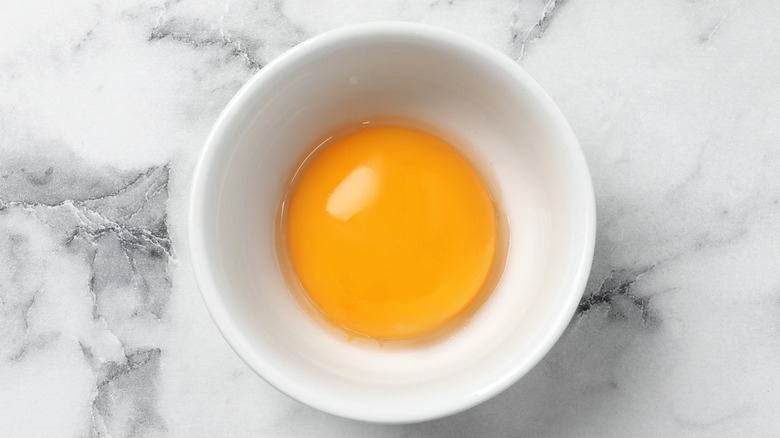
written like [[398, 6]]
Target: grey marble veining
[[85, 253], [104, 108]]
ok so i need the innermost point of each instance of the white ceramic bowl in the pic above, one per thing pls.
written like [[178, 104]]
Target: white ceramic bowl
[[501, 119]]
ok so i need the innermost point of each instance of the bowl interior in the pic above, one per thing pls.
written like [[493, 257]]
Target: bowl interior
[[484, 105]]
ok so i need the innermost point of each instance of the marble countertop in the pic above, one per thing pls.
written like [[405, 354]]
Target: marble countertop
[[104, 107]]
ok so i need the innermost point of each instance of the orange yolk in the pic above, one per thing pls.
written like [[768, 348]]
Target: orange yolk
[[391, 232]]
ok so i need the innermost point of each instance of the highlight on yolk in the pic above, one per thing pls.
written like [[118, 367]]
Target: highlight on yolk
[[391, 232]]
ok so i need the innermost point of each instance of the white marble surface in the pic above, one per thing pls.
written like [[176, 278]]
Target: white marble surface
[[104, 107]]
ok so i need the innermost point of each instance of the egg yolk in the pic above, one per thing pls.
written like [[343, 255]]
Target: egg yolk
[[391, 232]]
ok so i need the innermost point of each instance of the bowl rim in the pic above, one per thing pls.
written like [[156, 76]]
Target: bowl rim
[[198, 205]]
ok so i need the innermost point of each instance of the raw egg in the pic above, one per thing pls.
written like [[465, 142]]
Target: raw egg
[[390, 231]]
